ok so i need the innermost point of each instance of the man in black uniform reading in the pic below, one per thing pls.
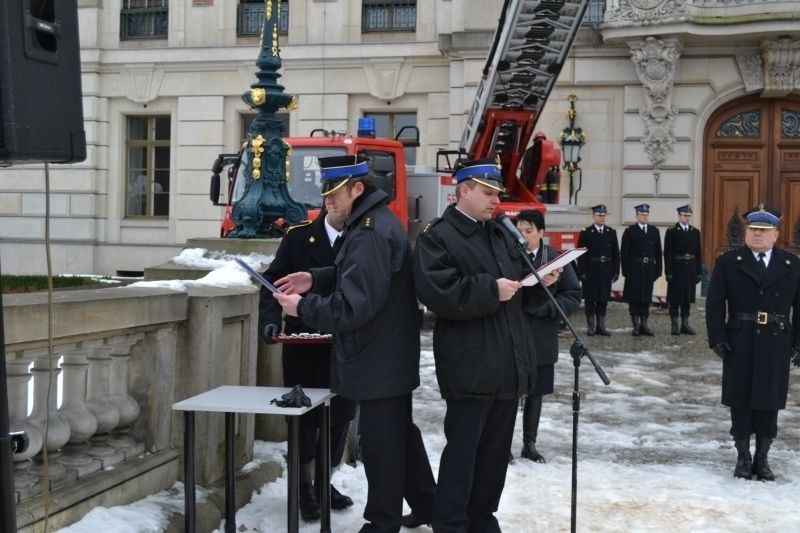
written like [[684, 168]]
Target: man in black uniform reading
[[367, 300], [467, 272]]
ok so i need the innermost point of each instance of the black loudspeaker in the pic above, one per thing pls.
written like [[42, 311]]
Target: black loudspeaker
[[41, 112]]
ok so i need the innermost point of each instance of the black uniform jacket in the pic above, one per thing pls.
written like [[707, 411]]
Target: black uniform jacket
[[682, 263], [599, 266], [567, 292], [483, 347], [756, 374], [641, 261], [372, 310], [302, 248]]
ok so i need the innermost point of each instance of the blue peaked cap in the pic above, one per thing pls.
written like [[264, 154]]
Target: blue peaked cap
[[762, 217], [642, 208]]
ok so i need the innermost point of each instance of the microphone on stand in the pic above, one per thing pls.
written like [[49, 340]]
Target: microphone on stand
[[504, 221]]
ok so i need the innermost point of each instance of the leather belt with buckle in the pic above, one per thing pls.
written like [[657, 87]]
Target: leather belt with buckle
[[684, 257], [762, 318], [644, 260], [601, 259]]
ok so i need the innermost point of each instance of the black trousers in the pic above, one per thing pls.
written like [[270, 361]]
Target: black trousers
[[639, 309], [395, 462], [745, 422], [310, 366], [596, 308], [673, 310], [472, 470]]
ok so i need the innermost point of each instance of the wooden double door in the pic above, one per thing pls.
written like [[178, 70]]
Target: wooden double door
[[752, 149]]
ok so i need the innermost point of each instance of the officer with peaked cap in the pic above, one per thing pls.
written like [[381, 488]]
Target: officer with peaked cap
[[753, 322], [373, 315], [640, 257], [466, 269], [598, 268], [683, 267]]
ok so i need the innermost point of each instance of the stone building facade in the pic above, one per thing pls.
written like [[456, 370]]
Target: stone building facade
[[683, 101]]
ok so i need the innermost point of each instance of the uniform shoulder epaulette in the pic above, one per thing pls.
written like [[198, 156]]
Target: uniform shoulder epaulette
[[368, 223], [430, 224], [298, 225]]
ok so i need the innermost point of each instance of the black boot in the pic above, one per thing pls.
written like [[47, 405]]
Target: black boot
[[530, 427], [760, 465], [309, 504], [339, 501], [590, 324], [675, 329], [743, 460], [601, 326], [645, 330], [637, 325], [685, 327]]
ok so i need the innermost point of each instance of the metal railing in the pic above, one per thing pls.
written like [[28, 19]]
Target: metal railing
[[250, 19], [389, 16]]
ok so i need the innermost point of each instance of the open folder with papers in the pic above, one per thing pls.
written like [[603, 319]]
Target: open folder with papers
[[554, 264]]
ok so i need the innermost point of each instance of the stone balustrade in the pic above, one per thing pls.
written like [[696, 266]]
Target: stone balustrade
[[120, 358]]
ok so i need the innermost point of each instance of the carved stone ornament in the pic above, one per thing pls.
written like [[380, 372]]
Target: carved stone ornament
[[638, 12], [775, 70], [781, 66], [656, 61]]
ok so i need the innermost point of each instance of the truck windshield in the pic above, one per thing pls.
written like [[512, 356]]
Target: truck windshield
[[304, 180]]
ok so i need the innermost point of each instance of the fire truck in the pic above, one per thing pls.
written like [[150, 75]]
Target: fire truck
[[530, 46]]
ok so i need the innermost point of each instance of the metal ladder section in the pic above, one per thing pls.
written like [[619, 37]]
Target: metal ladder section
[[532, 41]]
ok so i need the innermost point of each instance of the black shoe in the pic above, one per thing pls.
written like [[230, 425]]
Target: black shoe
[[686, 328], [645, 329], [760, 465], [410, 521], [675, 329], [309, 506], [529, 451], [601, 327], [339, 501]]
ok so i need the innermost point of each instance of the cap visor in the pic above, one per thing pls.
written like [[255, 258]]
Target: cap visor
[[488, 183], [329, 188], [761, 225]]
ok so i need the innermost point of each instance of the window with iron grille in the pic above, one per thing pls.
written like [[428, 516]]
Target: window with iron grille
[[144, 19], [147, 182], [250, 17], [595, 12], [388, 15]]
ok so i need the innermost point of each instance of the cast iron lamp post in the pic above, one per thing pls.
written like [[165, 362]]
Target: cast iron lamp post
[[266, 197], [572, 140]]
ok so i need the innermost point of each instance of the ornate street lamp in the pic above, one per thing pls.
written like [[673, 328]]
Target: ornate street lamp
[[572, 140], [266, 196]]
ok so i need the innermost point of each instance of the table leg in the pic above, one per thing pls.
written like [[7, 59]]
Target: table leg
[[188, 472], [293, 482], [325, 445], [230, 474]]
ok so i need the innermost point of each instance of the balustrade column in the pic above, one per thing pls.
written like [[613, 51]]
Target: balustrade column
[[99, 402], [82, 422], [118, 390], [18, 378], [44, 416]]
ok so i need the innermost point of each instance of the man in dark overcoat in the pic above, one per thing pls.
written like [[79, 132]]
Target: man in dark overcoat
[[307, 245], [372, 311], [467, 270], [598, 268], [753, 321], [640, 258], [683, 267]]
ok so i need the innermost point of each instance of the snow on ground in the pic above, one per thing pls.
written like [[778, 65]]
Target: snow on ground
[[654, 454]]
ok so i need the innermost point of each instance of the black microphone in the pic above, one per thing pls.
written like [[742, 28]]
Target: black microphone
[[504, 221]]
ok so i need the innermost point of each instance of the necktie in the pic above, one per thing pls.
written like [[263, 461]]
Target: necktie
[[337, 243], [762, 263]]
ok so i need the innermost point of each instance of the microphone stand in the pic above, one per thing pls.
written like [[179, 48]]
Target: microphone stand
[[578, 349], [8, 444]]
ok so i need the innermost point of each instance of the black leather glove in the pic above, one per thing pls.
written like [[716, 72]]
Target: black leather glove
[[669, 277], [543, 311], [698, 279], [796, 356], [615, 278], [294, 398], [270, 330], [722, 349]]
